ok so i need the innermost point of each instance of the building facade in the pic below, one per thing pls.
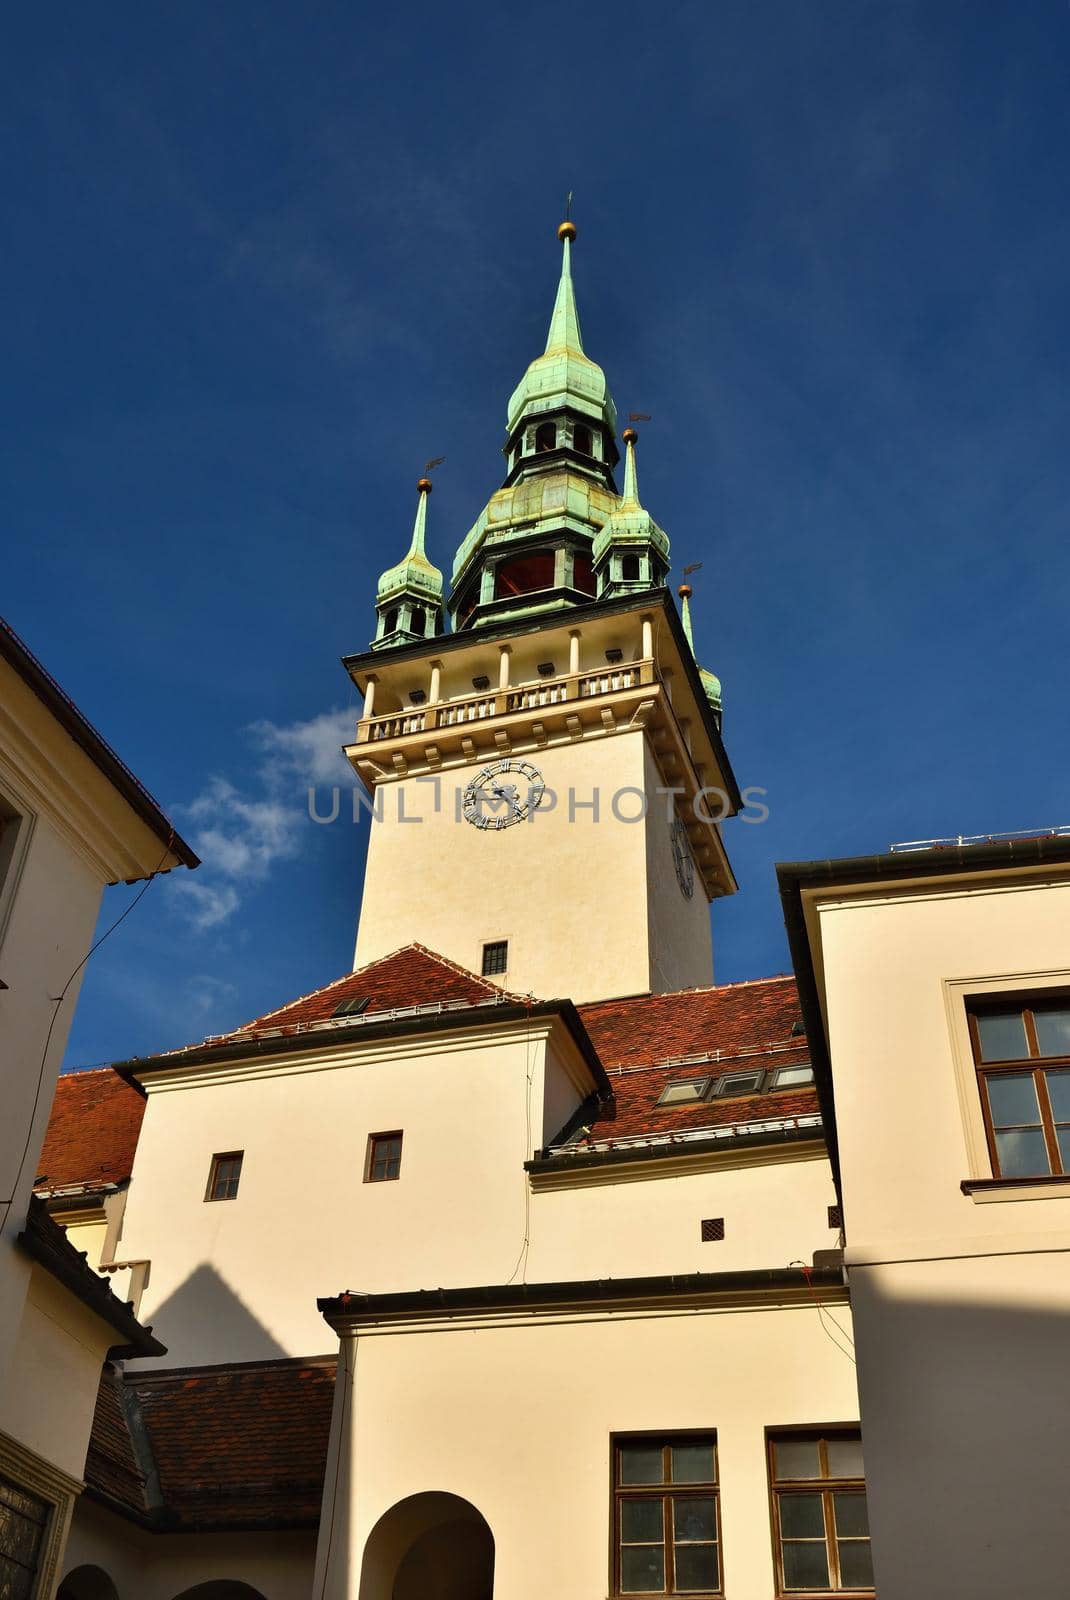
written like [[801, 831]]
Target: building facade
[[466, 1262]]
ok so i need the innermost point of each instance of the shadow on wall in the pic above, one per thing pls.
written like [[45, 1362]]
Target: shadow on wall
[[964, 1413], [429, 1547], [203, 1321]]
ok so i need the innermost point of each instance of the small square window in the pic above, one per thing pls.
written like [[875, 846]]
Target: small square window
[[384, 1158], [495, 958], [712, 1229], [683, 1092], [836, 1217], [224, 1175], [351, 1007]]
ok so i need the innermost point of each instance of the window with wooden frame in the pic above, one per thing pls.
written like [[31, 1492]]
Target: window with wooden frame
[[666, 1515], [224, 1176], [820, 1524], [1022, 1055], [24, 1523], [384, 1158]]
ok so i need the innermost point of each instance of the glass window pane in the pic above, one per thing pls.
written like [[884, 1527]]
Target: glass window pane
[[856, 1565], [1058, 1083], [1022, 1154], [642, 1569], [786, 1075], [1012, 1097], [1063, 1136], [1053, 1032], [797, 1458], [852, 1518], [695, 1519], [696, 1568], [845, 1458], [693, 1463], [1002, 1036], [806, 1566], [641, 1522], [801, 1516], [641, 1463]]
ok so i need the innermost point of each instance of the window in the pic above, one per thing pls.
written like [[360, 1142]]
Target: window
[[683, 1091], [583, 572], [791, 1077], [23, 1526], [418, 621], [581, 439], [739, 1083], [523, 574], [629, 568], [495, 958], [351, 1007], [665, 1515], [1022, 1056], [820, 1525], [224, 1175], [384, 1158], [545, 437], [390, 621]]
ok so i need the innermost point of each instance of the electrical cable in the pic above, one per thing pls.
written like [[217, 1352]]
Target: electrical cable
[[530, 1074], [56, 1004], [823, 1312]]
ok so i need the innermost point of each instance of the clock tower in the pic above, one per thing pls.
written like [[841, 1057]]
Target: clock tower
[[546, 781]]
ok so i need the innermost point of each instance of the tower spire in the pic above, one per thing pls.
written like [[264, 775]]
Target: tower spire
[[711, 683], [630, 497], [564, 331], [630, 552]]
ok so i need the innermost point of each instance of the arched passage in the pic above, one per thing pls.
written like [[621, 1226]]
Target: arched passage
[[431, 1546], [219, 1589], [87, 1583]]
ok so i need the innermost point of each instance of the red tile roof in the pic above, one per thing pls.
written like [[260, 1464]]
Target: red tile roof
[[647, 1041], [411, 976], [92, 1132], [232, 1446]]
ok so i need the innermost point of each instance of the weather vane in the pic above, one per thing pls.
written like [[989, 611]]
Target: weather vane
[[568, 207], [436, 461], [639, 416], [694, 567]]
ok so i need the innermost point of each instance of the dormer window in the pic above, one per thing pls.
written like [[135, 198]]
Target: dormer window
[[581, 440], [684, 1092], [739, 1083], [545, 437], [352, 1007]]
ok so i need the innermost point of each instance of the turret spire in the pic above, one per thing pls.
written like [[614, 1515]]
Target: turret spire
[[711, 684], [630, 497], [630, 552], [409, 596]]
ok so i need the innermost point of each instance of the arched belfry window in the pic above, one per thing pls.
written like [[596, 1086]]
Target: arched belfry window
[[545, 437], [390, 621], [523, 574], [582, 574], [630, 568], [581, 439], [419, 621]]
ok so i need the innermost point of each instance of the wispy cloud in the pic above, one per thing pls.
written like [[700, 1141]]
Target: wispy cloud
[[240, 834]]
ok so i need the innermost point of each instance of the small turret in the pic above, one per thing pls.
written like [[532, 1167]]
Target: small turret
[[711, 684], [409, 597], [630, 552]]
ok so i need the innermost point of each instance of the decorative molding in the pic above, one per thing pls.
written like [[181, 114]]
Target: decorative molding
[[31, 1472]]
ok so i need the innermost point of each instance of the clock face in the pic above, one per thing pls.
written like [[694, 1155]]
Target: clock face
[[503, 793], [683, 860]]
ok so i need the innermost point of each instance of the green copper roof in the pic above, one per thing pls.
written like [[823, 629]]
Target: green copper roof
[[629, 523], [564, 375], [711, 684], [414, 574]]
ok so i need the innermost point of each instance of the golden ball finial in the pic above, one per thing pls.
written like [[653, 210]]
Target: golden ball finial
[[684, 591], [424, 486], [566, 230], [629, 436]]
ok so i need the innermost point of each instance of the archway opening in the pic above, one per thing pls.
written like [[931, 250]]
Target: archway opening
[[432, 1546], [219, 1589], [87, 1583]]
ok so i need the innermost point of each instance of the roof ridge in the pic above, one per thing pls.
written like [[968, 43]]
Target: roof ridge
[[701, 988]]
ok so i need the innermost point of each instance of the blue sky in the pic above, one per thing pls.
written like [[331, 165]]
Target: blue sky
[[263, 261]]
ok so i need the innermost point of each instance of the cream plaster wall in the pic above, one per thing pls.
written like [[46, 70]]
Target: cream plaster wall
[[774, 1213], [152, 1566], [561, 887], [56, 1365], [679, 937], [897, 967], [516, 1418], [238, 1280], [961, 1303]]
